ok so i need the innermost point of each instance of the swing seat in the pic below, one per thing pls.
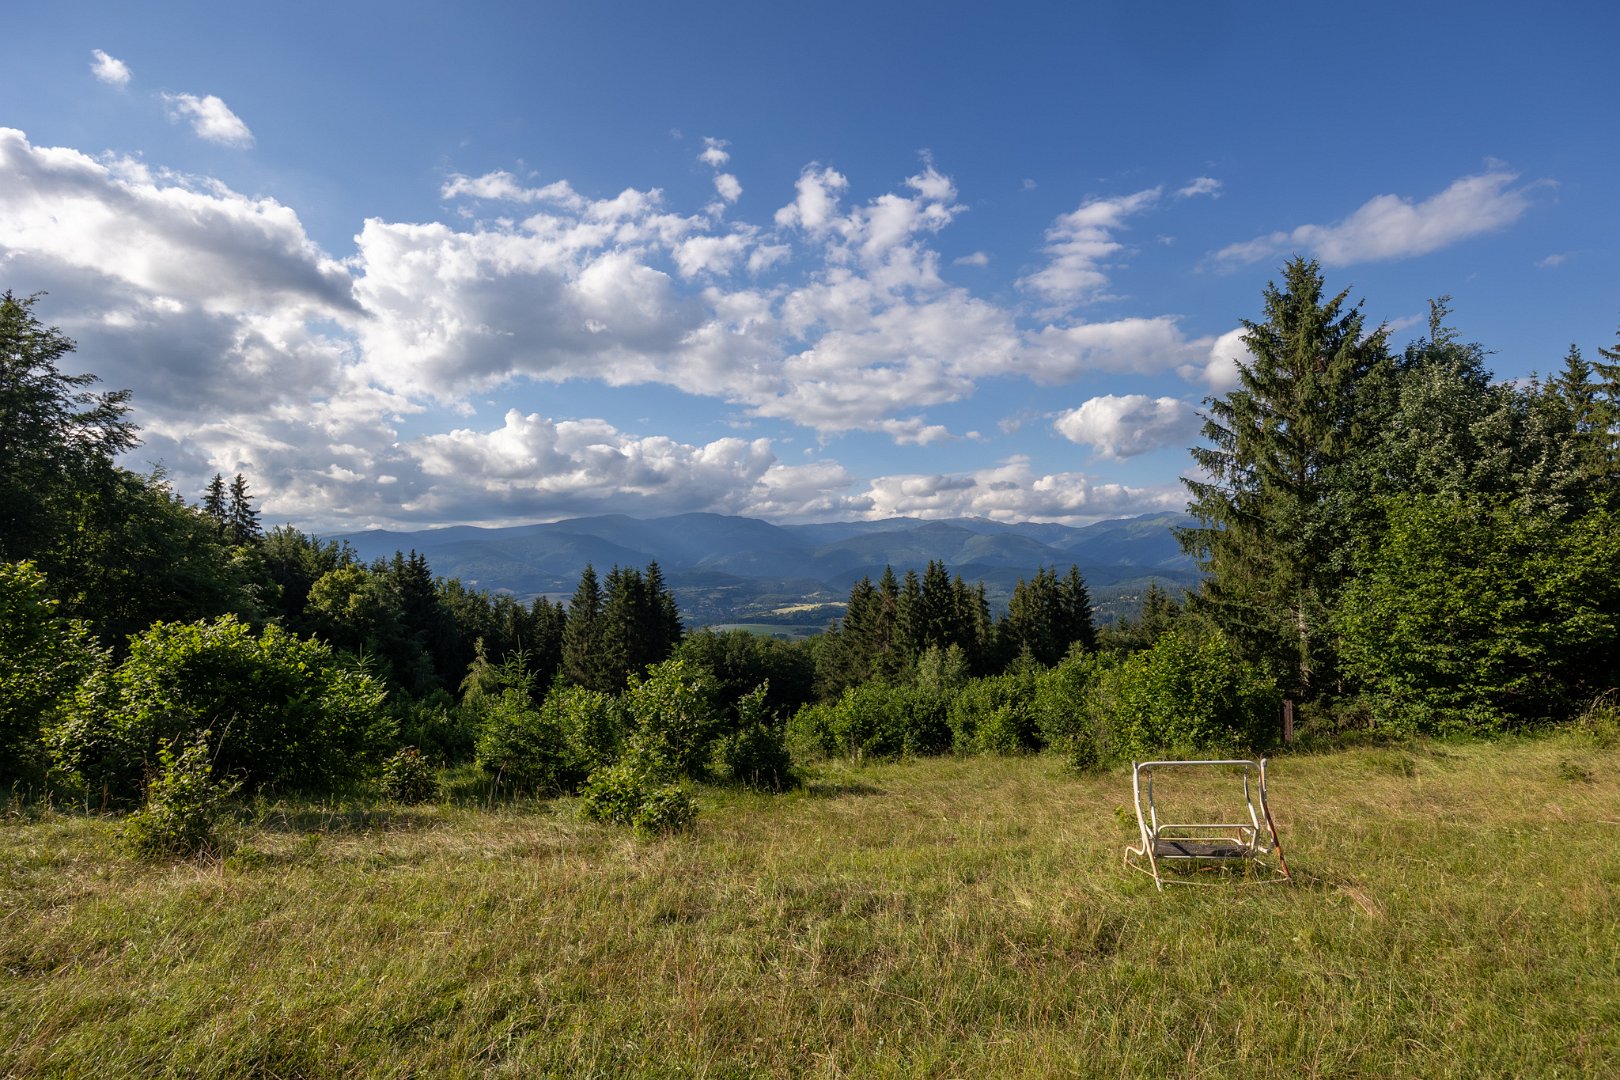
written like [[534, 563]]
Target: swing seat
[[1205, 845]]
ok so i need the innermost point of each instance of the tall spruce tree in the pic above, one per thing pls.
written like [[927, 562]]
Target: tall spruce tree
[[1277, 515], [242, 517], [214, 504], [582, 654]]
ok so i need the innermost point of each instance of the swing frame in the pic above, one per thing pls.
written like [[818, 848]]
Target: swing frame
[[1206, 845]]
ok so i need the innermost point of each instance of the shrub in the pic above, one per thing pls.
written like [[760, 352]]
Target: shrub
[[637, 792], [525, 747], [408, 777], [1185, 694], [995, 715], [42, 658], [442, 730], [755, 752], [182, 805], [592, 723], [674, 715], [872, 720], [283, 710], [1080, 734]]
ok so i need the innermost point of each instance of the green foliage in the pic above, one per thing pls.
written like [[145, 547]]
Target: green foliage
[[1184, 695], [593, 723], [1473, 617], [1081, 735], [1046, 617], [1276, 511], [996, 714], [445, 732], [674, 716], [182, 806], [754, 751], [283, 710], [637, 791], [57, 439], [526, 747], [409, 777], [42, 658], [872, 720]]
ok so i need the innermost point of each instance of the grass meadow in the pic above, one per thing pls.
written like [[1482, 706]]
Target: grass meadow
[[1456, 913]]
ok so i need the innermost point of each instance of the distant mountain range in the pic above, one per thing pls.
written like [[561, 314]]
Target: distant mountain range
[[795, 578]]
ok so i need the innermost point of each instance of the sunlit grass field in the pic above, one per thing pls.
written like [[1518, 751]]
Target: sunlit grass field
[[1456, 913]]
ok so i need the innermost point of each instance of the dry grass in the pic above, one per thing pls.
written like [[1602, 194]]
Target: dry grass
[[1457, 914]]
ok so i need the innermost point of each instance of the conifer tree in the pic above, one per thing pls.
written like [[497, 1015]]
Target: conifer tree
[[241, 517], [582, 659], [1276, 513], [213, 504]]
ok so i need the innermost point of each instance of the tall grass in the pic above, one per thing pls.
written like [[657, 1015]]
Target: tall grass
[[1457, 913]]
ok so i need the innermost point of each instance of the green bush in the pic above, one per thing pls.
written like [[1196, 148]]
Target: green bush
[[409, 777], [182, 807], [872, 720], [1080, 734], [42, 658], [995, 715], [283, 711], [637, 792], [754, 753], [593, 724], [1185, 694], [674, 716], [526, 747], [445, 732]]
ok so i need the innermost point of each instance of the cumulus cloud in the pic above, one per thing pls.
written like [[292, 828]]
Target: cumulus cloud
[[1014, 491], [504, 187], [109, 69], [1393, 227], [211, 119], [1079, 244], [815, 204], [1203, 185], [1218, 370], [249, 348], [1122, 426], [714, 152]]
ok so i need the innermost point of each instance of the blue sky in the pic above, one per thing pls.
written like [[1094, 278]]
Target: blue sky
[[407, 264]]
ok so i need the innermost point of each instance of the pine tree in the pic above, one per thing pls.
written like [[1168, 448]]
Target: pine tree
[[582, 659], [1277, 513], [241, 517], [1605, 455], [213, 504]]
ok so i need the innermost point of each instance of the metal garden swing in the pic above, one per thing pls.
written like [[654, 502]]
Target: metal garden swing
[[1205, 845]]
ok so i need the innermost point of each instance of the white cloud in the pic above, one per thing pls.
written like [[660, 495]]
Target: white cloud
[[211, 119], [1059, 354], [1079, 243], [978, 258], [714, 152], [1122, 426], [503, 186], [175, 237], [1555, 259], [816, 204], [1203, 185], [109, 69], [1219, 369], [1013, 491], [1393, 227], [728, 187], [249, 348]]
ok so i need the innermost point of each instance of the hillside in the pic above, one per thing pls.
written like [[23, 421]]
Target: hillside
[[726, 570]]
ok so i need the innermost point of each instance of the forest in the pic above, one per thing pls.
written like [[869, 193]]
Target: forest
[[1392, 541]]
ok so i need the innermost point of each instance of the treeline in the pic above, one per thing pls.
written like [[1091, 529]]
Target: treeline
[[1400, 540]]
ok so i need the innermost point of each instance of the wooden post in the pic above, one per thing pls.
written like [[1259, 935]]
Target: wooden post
[[1288, 720]]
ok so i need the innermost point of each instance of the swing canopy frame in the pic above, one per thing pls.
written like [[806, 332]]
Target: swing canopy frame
[[1169, 845]]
